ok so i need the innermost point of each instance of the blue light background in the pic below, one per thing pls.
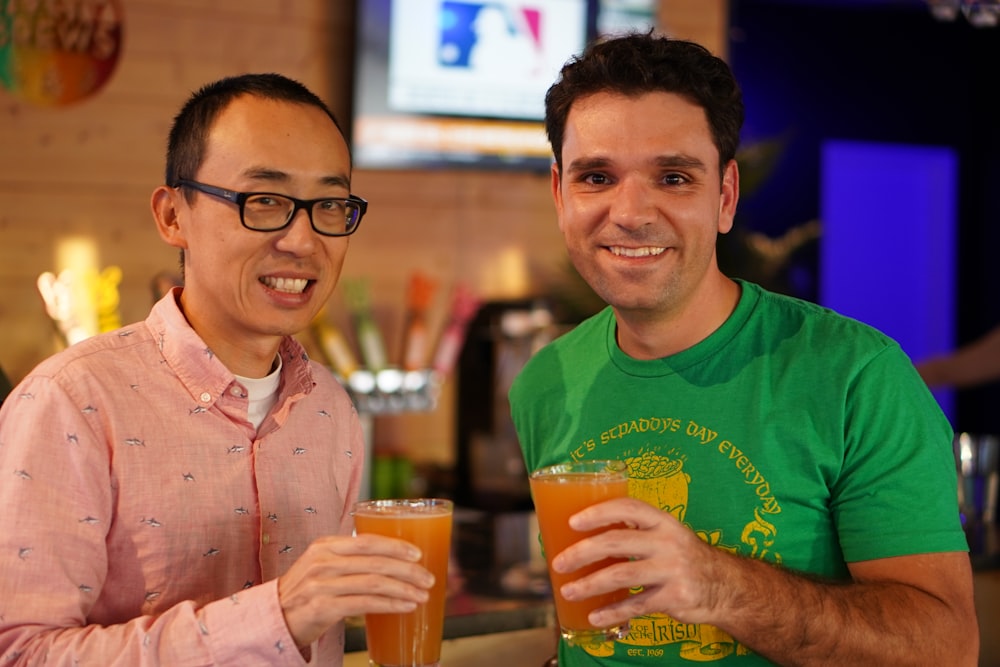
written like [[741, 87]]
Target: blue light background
[[887, 258]]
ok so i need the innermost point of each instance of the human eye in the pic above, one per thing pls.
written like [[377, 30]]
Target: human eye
[[595, 178], [674, 178], [266, 211], [264, 202], [331, 215], [585, 180], [330, 206], [587, 173]]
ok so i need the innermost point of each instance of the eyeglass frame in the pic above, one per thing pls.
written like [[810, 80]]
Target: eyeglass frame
[[240, 199]]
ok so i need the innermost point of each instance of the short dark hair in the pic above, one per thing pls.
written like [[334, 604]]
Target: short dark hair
[[637, 63], [189, 132]]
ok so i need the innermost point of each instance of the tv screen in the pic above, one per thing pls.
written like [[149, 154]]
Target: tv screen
[[443, 83]]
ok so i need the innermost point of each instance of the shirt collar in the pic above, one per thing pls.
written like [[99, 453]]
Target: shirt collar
[[203, 375]]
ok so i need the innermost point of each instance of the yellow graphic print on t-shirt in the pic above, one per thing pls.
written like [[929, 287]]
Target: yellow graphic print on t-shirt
[[662, 482]]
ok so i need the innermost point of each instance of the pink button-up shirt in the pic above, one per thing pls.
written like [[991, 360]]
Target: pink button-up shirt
[[143, 519]]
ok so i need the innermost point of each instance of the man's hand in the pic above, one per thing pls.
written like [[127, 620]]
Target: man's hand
[[913, 610], [341, 576], [676, 570]]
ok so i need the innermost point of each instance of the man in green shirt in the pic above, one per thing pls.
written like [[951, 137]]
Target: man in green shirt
[[793, 485]]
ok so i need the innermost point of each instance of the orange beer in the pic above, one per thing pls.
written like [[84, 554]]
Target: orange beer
[[559, 492], [412, 639]]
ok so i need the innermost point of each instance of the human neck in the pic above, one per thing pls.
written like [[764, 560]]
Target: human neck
[[645, 335], [249, 363], [246, 356]]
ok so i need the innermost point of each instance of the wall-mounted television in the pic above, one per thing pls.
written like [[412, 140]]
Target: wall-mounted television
[[460, 83]]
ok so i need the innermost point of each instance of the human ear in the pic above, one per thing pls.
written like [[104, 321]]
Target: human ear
[[165, 203], [729, 196], [556, 185]]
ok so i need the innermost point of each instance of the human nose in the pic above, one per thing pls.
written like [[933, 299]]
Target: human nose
[[632, 204], [298, 237]]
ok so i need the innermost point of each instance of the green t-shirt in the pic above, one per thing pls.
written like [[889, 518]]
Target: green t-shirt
[[791, 434]]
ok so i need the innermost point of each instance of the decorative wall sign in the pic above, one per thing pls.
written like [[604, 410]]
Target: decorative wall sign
[[57, 52]]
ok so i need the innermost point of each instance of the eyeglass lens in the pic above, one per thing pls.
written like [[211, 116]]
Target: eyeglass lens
[[329, 216]]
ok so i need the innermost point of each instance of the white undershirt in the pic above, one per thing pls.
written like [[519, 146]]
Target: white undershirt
[[262, 392]]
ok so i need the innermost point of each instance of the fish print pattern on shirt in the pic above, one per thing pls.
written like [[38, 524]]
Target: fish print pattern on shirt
[[124, 440]]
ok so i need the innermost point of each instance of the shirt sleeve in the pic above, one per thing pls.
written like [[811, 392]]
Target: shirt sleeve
[[897, 491], [57, 504]]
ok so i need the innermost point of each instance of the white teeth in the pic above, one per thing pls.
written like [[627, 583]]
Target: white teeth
[[646, 251], [292, 285]]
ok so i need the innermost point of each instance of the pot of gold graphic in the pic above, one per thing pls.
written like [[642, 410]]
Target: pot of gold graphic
[[659, 481]]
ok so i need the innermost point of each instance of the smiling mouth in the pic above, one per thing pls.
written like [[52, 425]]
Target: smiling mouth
[[645, 251], [288, 285]]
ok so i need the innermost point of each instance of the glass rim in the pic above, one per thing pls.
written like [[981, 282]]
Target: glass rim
[[608, 466], [414, 503]]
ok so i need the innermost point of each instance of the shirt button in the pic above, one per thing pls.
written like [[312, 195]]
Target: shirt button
[[205, 397], [266, 539], [235, 391]]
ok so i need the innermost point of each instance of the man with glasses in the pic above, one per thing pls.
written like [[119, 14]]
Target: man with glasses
[[177, 492]]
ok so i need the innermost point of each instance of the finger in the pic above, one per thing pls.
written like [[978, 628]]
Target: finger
[[345, 606], [313, 603], [622, 611], [615, 543], [328, 566], [369, 584], [321, 599], [630, 512], [370, 544], [622, 575]]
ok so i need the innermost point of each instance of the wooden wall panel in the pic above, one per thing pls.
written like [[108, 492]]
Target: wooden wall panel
[[89, 168]]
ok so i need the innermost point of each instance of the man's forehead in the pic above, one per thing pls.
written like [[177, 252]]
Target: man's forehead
[[267, 139]]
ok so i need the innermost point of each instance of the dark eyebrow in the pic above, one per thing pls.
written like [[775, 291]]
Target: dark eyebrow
[[663, 161], [680, 162], [342, 181], [264, 174], [275, 176], [587, 164]]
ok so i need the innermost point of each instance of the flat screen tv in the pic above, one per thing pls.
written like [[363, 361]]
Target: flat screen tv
[[460, 83]]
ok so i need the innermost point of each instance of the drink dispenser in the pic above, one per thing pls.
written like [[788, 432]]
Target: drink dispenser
[[490, 471], [496, 530]]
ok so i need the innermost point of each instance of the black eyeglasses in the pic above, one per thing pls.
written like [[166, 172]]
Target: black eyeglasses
[[269, 211]]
